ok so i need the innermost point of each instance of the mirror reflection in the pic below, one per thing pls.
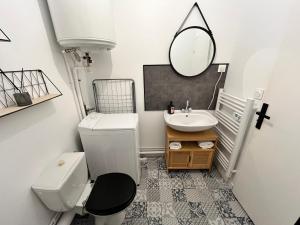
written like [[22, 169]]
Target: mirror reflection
[[192, 51]]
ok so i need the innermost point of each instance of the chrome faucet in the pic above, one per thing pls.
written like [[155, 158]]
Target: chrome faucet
[[188, 108]]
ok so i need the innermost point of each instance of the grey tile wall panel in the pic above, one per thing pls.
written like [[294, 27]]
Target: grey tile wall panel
[[162, 85]]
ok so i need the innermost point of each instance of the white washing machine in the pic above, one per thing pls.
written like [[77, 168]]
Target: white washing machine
[[111, 144]]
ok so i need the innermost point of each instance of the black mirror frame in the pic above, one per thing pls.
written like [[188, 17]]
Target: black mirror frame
[[214, 48]]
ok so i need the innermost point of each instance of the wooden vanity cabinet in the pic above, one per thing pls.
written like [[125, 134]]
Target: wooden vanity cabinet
[[190, 156]]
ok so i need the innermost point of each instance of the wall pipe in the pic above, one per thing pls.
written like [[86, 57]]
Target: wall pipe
[[72, 83], [78, 90]]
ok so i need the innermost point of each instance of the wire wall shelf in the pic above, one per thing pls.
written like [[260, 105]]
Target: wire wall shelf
[[3, 36], [35, 82], [114, 95]]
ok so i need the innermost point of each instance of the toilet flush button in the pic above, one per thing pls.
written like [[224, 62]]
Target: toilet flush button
[[61, 162]]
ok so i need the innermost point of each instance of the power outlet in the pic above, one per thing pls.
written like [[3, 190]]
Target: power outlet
[[222, 68], [259, 93], [237, 117]]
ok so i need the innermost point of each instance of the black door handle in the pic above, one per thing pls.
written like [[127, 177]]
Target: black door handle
[[262, 115]]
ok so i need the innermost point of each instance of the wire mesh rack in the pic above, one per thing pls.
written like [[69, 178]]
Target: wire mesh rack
[[35, 82], [114, 95]]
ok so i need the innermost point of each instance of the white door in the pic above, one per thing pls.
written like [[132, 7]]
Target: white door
[[268, 179]]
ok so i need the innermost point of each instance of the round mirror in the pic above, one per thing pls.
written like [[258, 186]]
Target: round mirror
[[192, 51]]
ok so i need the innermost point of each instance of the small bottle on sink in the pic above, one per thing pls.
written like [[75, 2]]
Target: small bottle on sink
[[171, 108]]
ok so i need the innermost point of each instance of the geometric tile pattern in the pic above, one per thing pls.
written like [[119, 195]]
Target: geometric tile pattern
[[193, 197]]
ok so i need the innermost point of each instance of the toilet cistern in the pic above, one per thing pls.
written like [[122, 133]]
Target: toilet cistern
[[64, 186]]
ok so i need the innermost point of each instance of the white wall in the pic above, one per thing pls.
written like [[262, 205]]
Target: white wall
[[144, 31], [256, 47], [31, 138]]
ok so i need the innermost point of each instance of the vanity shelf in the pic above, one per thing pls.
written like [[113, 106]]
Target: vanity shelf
[[190, 156]]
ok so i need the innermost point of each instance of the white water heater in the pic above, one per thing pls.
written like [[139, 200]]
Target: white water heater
[[83, 23]]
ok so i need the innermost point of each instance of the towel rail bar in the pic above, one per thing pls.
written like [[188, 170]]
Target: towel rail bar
[[230, 119], [232, 106], [221, 133], [222, 157], [233, 97], [225, 145], [245, 108], [233, 101], [229, 126]]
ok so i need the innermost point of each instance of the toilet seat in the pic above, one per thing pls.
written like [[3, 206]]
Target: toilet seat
[[111, 193]]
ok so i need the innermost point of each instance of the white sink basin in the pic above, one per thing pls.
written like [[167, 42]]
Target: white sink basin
[[197, 120]]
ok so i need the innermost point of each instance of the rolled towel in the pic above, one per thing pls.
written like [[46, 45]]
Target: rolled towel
[[175, 145], [205, 144]]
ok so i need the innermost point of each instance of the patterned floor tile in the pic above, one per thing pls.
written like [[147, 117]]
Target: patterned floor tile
[[143, 183], [213, 174], [175, 174], [165, 183], [144, 173], [168, 210], [154, 221], [137, 210], [245, 220], [152, 164], [169, 221], [154, 209], [217, 221], [200, 221], [210, 209], [152, 183], [194, 197], [200, 183], [176, 183], [140, 196], [185, 221], [162, 164], [188, 183], [196, 173], [182, 209], [205, 196], [181, 174], [166, 195], [212, 183], [163, 174], [196, 209], [223, 194], [225, 209], [237, 210], [153, 195], [153, 173], [134, 221], [179, 195], [139, 222], [235, 221]]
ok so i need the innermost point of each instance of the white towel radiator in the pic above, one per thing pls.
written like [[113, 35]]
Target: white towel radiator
[[234, 115]]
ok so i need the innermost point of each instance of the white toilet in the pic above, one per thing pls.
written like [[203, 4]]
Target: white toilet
[[64, 186]]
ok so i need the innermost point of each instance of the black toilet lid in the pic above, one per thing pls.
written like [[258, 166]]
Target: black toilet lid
[[111, 193]]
